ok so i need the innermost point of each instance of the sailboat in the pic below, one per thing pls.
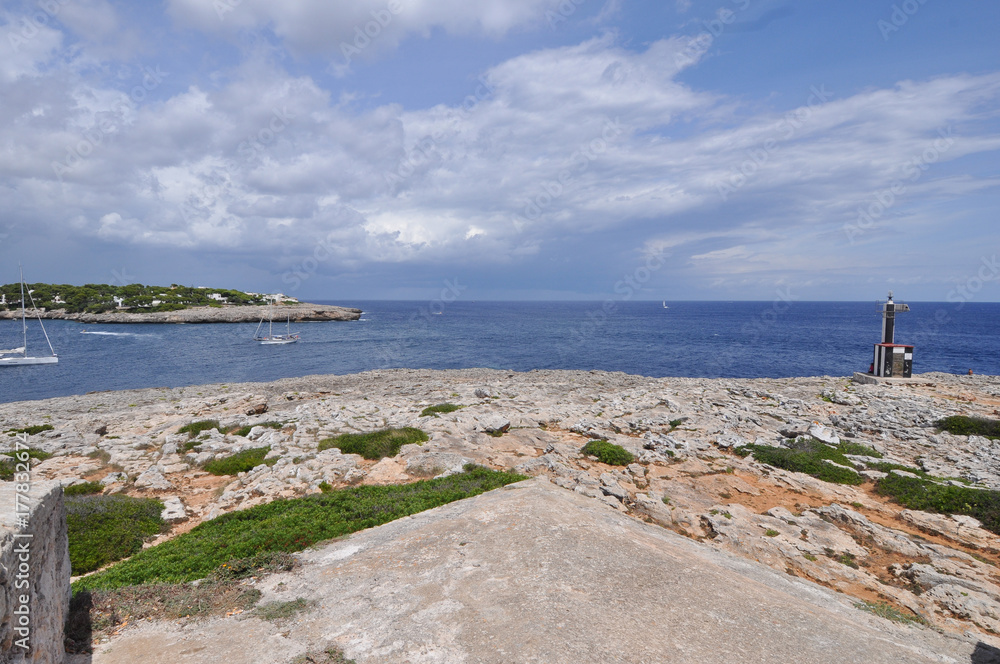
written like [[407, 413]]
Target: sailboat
[[19, 356], [271, 338], [665, 305]]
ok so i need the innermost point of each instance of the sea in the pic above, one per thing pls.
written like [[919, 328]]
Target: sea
[[692, 339]]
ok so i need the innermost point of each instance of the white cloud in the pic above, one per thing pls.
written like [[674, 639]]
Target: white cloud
[[318, 26]]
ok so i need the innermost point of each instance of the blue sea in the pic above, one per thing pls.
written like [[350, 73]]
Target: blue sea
[[695, 339]]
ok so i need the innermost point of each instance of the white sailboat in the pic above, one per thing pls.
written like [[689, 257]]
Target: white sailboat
[[19, 356], [271, 338], [665, 305]]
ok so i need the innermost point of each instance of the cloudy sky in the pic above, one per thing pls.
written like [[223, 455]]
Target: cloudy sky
[[527, 149]]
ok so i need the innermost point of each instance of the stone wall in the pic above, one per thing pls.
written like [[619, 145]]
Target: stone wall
[[34, 566]]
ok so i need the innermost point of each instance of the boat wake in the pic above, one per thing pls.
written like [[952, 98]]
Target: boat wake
[[116, 334]]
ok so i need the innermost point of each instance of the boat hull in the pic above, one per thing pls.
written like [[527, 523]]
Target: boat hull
[[17, 361]]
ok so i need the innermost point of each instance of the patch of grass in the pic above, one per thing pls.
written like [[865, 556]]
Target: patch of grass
[[330, 655], [888, 467], [921, 493], [325, 487], [10, 460], [103, 529], [963, 425], [257, 565], [609, 453], [290, 525], [440, 408], [856, 505], [376, 444], [666, 500], [83, 489], [282, 610], [245, 430], [32, 430], [100, 455], [806, 455], [888, 611], [195, 428], [857, 449], [240, 462], [771, 532], [847, 559], [95, 613], [810, 557]]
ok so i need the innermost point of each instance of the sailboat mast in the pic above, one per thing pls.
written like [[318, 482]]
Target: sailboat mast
[[24, 322]]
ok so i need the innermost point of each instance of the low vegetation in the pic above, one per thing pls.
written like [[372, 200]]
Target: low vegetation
[[609, 453], [83, 489], [195, 428], [810, 456], [10, 460], [929, 495], [440, 408], [240, 462], [376, 444], [245, 430], [888, 611], [963, 425], [288, 526], [280, 610], [32, 430], [103, 529]]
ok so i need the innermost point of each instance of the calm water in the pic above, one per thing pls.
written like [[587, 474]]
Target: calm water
[[698, 339]]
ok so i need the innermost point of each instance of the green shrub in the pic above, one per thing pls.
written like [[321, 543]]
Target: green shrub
[[921, 493], [194, 428], [245, 430], [440, 408], [376, 444], [83, 489], [806, 455], [609, 453], [888, 611], [282, 610], [240, 462], [32, 430], [963, 425], [259, 564], [289, 525], [9, 460], [103, 529]]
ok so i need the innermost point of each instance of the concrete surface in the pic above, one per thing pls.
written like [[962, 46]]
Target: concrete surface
[[536, 573]]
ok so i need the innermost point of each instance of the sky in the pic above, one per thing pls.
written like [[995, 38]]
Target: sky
[[505, 149]]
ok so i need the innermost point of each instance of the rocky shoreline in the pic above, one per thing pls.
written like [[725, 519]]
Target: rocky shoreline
[[685, 478], [301, 312]]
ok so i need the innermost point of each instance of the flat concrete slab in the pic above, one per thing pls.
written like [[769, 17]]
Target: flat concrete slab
[[872, 379], [536, 573]]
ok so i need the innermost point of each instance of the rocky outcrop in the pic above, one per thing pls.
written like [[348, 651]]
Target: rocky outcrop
[[223, 314], [685, 477], [34, 572]]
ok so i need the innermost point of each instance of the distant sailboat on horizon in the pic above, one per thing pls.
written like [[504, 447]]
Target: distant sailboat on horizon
[[665, 305], [23, 357], [271, 338]]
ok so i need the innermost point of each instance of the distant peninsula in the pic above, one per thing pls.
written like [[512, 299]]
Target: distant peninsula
[[136, 303]]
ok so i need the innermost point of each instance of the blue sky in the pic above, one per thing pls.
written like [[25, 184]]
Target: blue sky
[[529, 149]]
